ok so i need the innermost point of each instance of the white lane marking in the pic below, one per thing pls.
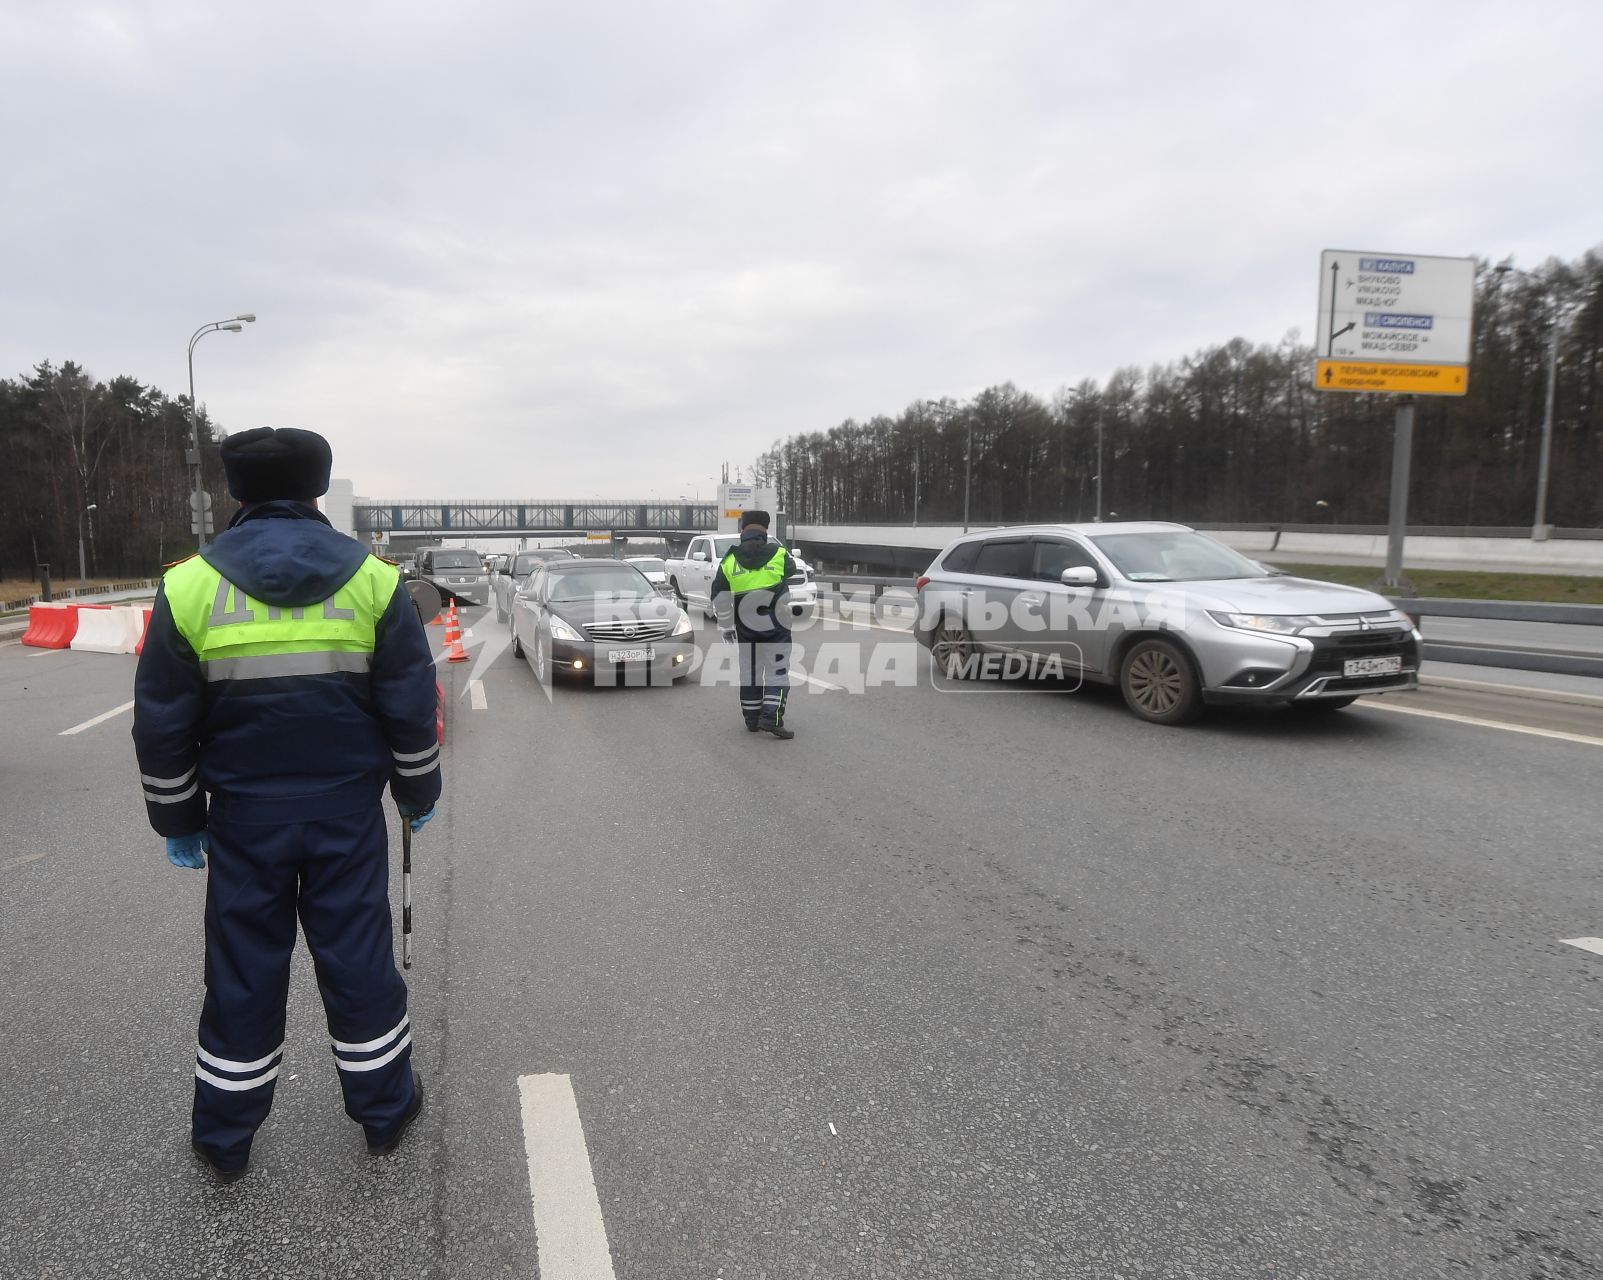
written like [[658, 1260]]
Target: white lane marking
[[569, 1232], [816, 682], [476, 695], [838, 617], [1484, 724], [45, 653], [34, 857], [1586, 944], [90, 724]]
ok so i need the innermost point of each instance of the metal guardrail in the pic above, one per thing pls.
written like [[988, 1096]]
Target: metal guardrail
[[1511, 657]]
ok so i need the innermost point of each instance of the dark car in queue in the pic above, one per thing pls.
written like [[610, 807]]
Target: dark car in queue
[[457, 572], [519, 566], [599, 620]]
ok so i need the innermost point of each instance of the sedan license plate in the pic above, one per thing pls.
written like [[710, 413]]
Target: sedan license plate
[[1372, 666], [631, 655]]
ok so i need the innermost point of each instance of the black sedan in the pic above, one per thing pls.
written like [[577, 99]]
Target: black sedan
[[599, 620]]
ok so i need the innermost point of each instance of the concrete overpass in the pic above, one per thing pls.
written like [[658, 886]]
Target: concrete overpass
[[529, 517]]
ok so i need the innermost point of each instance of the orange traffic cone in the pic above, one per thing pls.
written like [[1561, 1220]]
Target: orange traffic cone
[[453, 638]]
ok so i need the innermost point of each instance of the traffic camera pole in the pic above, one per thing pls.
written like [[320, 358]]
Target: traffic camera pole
[[1402, 457]]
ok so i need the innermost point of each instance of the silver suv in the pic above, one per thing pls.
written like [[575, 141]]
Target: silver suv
[[1175, 619]]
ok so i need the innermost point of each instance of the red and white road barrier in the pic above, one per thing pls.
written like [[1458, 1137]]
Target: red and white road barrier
[[117, 629], [51, 626]]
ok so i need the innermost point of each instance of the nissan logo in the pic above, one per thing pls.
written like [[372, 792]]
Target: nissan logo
[[629, 631]]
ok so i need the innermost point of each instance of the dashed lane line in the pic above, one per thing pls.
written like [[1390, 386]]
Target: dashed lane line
[[1594, 945], [34, 857], [100, 719], [570, 1235], [1559, 734], [476, 695]]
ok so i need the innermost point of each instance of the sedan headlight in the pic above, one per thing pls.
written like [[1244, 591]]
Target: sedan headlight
[[1280, 624], [682, 627], [560, 630]]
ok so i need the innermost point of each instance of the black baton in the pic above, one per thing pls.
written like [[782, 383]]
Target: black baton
[[406, 892]]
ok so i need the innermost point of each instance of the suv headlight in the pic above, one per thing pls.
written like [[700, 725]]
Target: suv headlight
[[682, 627], [560, 630], [1280, 624]]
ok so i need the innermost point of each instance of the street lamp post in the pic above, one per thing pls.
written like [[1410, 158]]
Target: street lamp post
[[226, 326], [1098, 468], [1545, 456], [968, 462], [82, 575]]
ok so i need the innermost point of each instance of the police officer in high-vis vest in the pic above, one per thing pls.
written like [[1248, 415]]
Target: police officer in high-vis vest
[[749, 594], [285, 682]]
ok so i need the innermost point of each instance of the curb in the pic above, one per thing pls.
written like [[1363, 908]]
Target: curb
[[1514, 690]]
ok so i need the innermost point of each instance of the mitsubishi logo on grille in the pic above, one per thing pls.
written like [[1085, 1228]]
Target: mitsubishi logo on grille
[[1364, 624]]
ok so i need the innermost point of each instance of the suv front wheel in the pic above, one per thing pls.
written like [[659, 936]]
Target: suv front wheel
[[1159, 683]]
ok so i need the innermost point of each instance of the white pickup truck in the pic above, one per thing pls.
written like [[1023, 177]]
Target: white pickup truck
[[690, 578]]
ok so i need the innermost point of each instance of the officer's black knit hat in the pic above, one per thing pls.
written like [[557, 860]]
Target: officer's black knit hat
[[267, 463], [748, 518]]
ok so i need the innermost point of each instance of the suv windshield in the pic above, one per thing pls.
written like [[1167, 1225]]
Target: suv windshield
[[455, 560], [1173, 556], [648, 564], [608, 584]]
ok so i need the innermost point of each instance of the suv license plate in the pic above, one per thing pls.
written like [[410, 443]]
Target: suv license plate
[[631, 655], [1373, 666]]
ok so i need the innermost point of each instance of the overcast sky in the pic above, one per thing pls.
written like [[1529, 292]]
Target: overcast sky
[[565, 250]]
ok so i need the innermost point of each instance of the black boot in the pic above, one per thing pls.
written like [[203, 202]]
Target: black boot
[[412, 1110], [221, 1174], [752, 726], [778, 730]]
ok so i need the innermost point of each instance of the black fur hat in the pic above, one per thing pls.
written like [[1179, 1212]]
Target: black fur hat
[[284, 462], [749, 518]]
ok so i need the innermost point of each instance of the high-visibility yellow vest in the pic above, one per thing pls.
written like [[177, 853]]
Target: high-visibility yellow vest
[[239, 638], [768, 575]]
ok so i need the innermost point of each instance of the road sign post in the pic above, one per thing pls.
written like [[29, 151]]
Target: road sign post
[[1392, 322], [1401, 464]]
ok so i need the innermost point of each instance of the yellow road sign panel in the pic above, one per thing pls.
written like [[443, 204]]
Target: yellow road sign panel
[[1413, 379]]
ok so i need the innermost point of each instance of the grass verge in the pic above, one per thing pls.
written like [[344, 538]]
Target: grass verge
[[1552, 588]]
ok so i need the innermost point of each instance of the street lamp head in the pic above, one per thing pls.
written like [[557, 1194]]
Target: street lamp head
[[249, 317], [93, 506], [233, 328]]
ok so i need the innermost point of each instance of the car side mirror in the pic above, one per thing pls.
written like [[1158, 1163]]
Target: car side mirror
[[698, 555], [1079, 575]]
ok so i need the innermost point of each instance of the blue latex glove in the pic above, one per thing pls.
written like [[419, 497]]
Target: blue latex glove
[[417, 818], [187, 851]]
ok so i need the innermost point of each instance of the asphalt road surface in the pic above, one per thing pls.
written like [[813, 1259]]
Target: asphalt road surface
[[956, 984]]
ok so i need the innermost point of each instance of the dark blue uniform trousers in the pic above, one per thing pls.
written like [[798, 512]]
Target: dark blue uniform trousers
[[334, 874], [764, 675]]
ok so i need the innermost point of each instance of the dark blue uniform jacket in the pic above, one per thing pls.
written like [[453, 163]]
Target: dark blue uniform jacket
[[291, 748]]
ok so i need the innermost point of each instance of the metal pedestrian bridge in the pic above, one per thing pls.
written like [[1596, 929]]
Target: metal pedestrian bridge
[[520, 517]]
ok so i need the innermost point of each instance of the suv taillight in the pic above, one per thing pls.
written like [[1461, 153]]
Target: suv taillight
[[923, 581]]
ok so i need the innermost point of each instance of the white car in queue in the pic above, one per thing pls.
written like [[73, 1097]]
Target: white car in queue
[[599, 620]]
